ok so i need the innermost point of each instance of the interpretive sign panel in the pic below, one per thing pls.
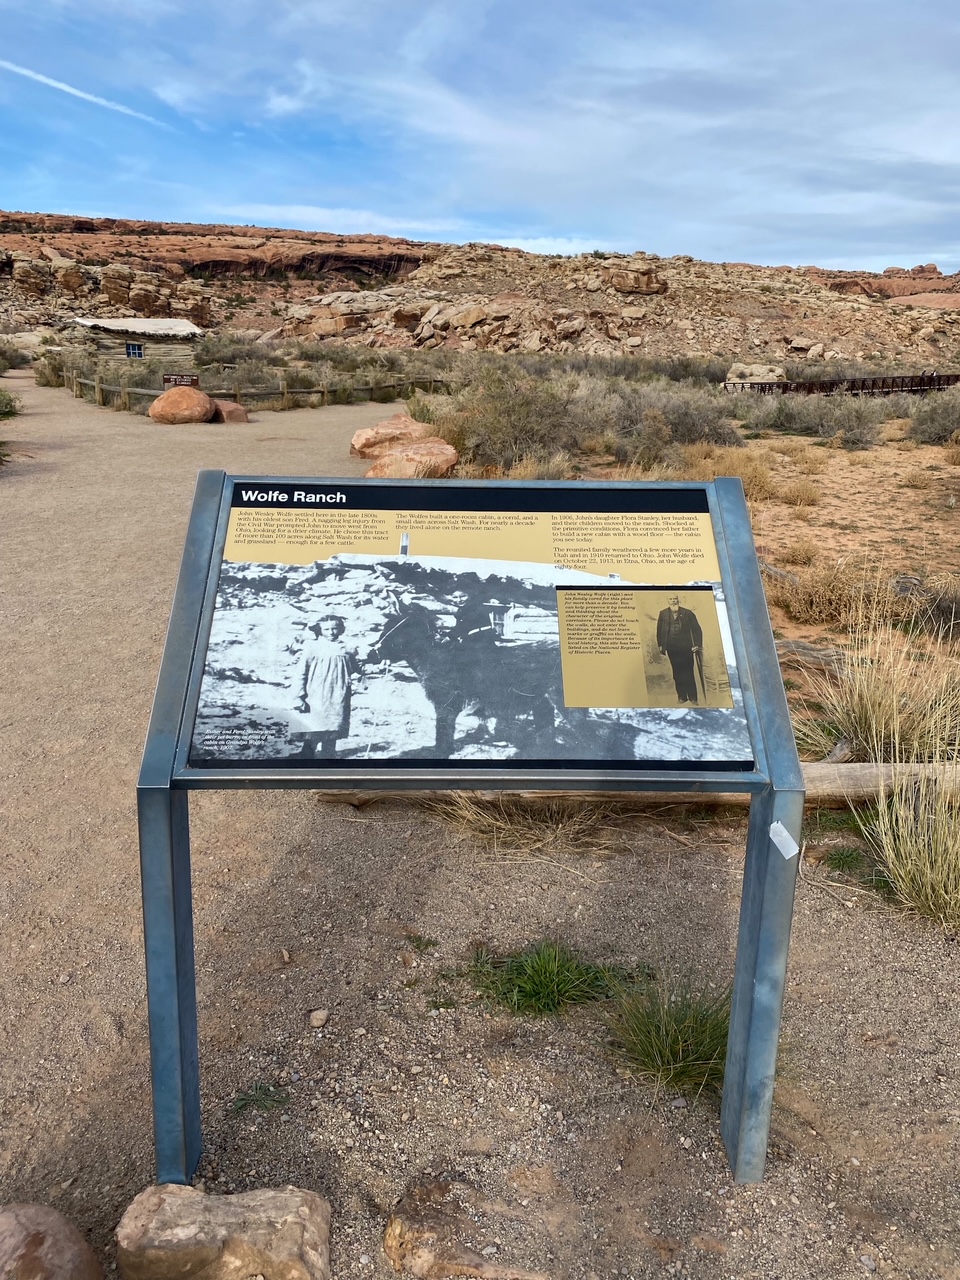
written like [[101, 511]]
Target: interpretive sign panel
[[469, 635], [357, 624], [180, 380]]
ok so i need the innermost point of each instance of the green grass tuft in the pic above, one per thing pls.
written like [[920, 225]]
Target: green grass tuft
[[260, 1097], [672, 1033], [544, 978]]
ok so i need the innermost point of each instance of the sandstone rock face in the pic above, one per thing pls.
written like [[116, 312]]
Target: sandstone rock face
[[373, 442], [33, 279], [38, 1243], [173, 1233], [182, 404], [427, 459], [229, 411], [635, 281]]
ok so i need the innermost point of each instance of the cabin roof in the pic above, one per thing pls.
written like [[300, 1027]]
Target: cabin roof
[[158, 327]]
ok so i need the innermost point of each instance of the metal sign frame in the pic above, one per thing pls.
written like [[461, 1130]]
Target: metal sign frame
[[775, 786]]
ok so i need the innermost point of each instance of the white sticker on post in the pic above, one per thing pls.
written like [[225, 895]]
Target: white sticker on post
[[784, 841]]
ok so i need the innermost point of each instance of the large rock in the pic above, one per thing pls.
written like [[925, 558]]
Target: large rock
[[756, 373], [229, 411], [373, 442], [173, 1233], [38, 1243], [426, 459], [182, 404]]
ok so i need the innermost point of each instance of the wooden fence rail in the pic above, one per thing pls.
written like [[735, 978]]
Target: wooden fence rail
[[401, 389]]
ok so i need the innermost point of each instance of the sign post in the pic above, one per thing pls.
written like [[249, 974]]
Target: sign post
[[180, 380], [513, 636]]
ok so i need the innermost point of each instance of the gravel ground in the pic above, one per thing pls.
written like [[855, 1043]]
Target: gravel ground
[[371, 914]]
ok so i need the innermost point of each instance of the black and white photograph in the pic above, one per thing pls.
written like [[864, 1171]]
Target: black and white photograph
[[364, 658]]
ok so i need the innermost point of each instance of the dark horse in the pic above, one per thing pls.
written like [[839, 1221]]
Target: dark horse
[[516, 686]]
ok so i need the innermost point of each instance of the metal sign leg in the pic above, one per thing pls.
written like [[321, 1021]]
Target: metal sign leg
[[171, 983], [769, 880]]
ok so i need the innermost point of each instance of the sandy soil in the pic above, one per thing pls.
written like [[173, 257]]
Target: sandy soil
[[370, 914]]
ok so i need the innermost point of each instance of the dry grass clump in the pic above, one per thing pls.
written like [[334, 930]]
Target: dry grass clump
[[536, 827], [802, 493], [847, 593], [890, 701], [917, 478], [802, 552], [557, 467], [951, 455], [707, 462], [673, 1034], [913, 836]]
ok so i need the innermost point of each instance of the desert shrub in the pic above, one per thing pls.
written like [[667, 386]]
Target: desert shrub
[[951, 455], [936, 417], [801, 493], [853, 421], [10, 404], [700, 370], [228, 348], [692, 413], [48, 370], [917, 478], [803, 552], [900, 405], [557, 467], [673, 1034], [12, 357]]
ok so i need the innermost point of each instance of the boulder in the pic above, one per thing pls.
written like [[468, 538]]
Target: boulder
[[467, 317], [419, 460], [182, 404], [229, 411], [756, 373], [373, 442], [172, 1232], [38, 1243]]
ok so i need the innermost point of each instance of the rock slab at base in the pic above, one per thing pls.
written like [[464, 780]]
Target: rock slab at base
[[429, 1233], [171, 1232], [426, 459], [38, 1243], [182, 404], [373, 442], [228, 411]]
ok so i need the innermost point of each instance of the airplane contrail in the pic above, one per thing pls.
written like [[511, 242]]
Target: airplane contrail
[[79, 93]]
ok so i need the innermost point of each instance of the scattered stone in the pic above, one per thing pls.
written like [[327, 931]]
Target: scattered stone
[[172, 1233], [39, 1243], [420, 460], [229, 411], [426, 1234], [182, 404], [319, 1018], [373, 442]]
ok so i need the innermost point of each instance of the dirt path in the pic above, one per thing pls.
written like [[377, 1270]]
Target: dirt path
[[371, 914]]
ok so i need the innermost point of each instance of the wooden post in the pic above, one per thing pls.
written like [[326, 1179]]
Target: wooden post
[[284, 393], [236, 392], [125, 397], [76, 385], [98, 388], [324, 394]]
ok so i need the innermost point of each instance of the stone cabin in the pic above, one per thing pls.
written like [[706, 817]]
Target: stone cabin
[[132, 338]]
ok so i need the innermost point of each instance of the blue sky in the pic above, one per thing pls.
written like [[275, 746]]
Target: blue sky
[[794, 132]]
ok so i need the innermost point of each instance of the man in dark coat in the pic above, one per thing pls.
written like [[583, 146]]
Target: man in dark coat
[[680, 637]]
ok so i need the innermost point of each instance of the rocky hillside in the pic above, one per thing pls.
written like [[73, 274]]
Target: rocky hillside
[[389, 293]]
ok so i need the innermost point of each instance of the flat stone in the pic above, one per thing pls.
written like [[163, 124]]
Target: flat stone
[[172, 1232], [373, 442], [229, 411], [181, 405], [39, 1243]]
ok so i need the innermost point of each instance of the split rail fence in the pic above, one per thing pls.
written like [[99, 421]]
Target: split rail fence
[[289, 397]]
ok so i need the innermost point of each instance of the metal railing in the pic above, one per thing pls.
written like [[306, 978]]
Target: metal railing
[[879, 386]]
